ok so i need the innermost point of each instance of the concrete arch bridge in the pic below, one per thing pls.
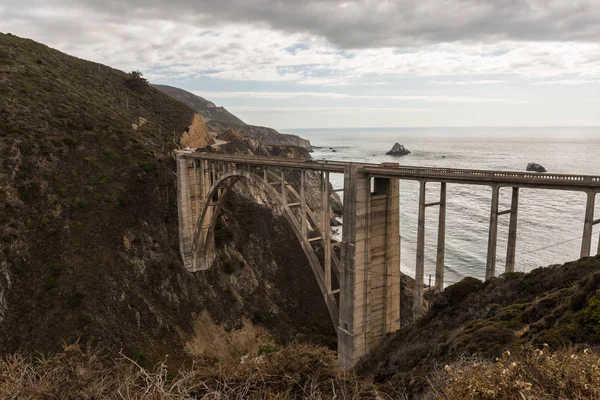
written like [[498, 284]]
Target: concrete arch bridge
[[359, 277]]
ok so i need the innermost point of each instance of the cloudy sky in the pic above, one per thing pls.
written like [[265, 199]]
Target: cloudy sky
[[356, 63]]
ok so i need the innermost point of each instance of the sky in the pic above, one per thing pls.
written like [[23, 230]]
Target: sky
[[337, 64]]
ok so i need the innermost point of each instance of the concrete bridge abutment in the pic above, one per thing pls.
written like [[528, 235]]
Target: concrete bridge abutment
[[194, 180]]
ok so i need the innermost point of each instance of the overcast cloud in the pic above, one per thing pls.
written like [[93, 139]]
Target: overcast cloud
[[376, 23], [378, 54]]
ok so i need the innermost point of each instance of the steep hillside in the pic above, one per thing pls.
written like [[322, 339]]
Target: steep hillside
[[219, 120], [556, 306], [206, 108], [88, 224]]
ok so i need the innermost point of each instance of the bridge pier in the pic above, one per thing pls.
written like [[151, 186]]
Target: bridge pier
[[370, 273], [441, 244], [512, 232], [588, 225], [303, 222], [490, 267], [490, 270], [326, 229], [420, 262]]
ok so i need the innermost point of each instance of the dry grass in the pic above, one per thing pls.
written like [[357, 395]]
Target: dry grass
[[298, 372], [531, 374]]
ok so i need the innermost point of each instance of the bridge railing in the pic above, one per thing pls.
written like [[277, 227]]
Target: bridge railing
[[491, 176], [472, 175]]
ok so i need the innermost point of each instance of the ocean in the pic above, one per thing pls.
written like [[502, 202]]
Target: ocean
[[550, 222]]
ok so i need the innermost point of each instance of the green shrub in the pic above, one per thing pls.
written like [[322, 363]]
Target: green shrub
[[136, 80], [590, 315], [108, 153], [456, 293], [50, 286], [70, 141], [229, 267], [63, 192], [56, 270], [75, 299], [28, 190], [140, 357], [263, 317], [79, 202], [222, 233], [266, 349], [93, 161]]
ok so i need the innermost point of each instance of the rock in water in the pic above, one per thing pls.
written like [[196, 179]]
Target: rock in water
[[535, 167], [398, 150]]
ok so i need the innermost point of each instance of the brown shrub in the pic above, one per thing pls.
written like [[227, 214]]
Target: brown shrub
[[297, 372], [531, 374]]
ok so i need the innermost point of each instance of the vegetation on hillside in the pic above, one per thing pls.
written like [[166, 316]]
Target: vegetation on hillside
[[556, 306], [88, 222], [295, 372], [298, 372], [89, 245], [528, 373]]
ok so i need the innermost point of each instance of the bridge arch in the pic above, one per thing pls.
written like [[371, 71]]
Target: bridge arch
[[203, 241], [364, 305]]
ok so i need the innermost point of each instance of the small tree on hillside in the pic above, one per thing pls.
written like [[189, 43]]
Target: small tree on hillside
[[136, 80]]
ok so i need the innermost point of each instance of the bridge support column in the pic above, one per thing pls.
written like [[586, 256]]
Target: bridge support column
[[511, 250], [326, 229], [441, 244], [490, 268], [303, 222], [588, 225], [370, 273], [420, 262], [283, 187], [598, 222]]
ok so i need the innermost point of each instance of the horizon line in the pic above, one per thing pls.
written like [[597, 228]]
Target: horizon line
[[457, 127]]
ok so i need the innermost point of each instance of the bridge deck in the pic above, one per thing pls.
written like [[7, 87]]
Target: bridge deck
[[451, 175]]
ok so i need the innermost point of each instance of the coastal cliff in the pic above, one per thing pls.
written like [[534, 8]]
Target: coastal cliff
[[219, 120]]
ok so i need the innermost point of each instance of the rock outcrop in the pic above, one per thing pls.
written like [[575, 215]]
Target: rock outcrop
[[534, 167], [398, 150], [196, 134], [267, 136]]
